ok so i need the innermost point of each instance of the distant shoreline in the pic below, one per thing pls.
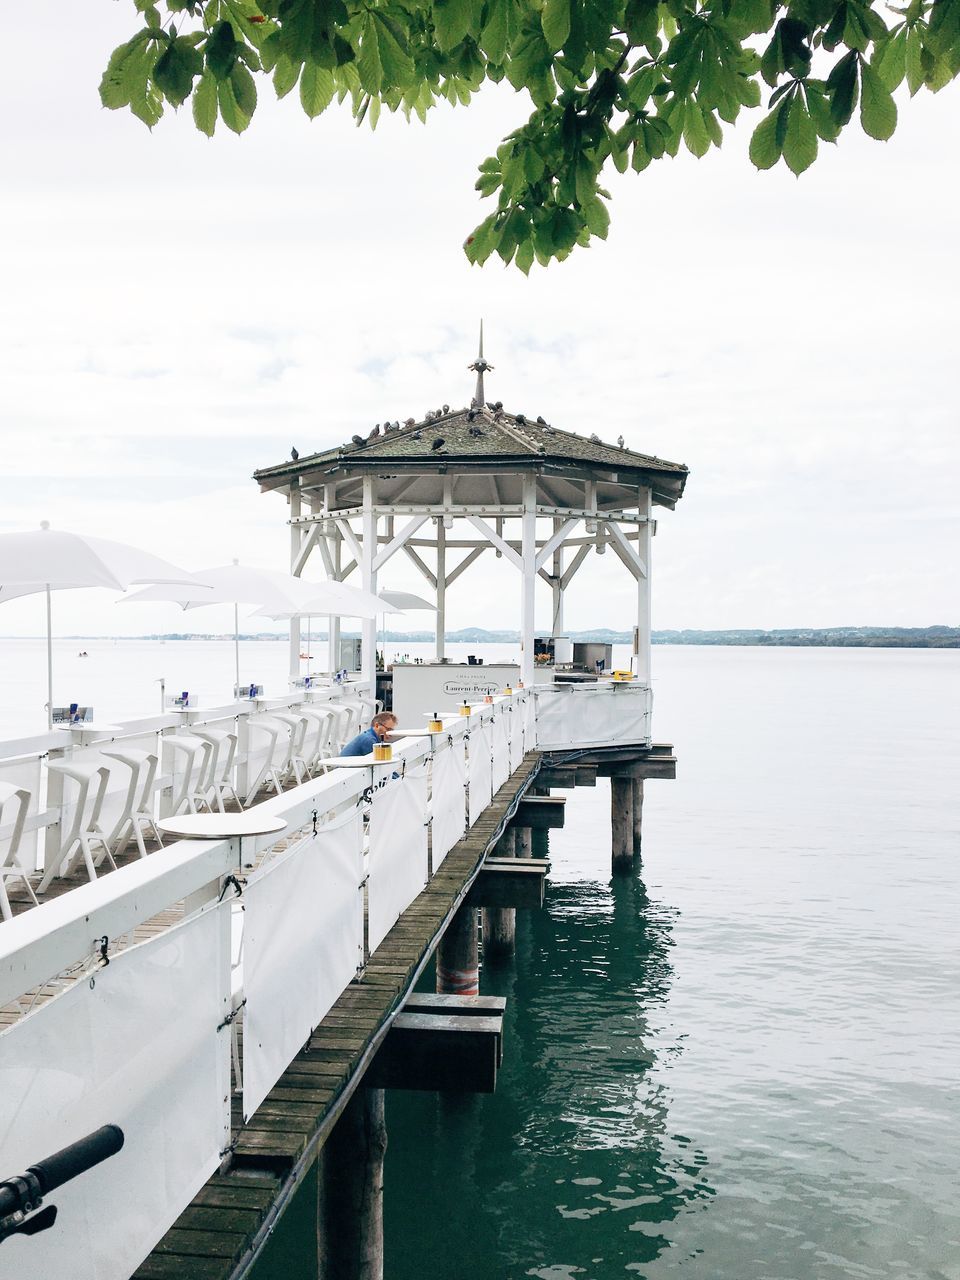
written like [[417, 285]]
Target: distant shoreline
[[935, 637]]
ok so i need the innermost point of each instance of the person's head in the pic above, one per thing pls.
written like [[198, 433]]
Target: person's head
[[384, 724]]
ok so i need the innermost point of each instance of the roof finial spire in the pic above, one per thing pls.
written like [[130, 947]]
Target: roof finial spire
[[480, 367]]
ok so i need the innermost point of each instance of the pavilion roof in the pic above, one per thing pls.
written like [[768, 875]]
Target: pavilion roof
[[483, 436]]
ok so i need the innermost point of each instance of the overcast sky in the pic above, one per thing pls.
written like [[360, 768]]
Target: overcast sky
[[178, 311]]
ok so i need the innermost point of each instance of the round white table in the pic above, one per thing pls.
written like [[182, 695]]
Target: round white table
[[361, 762], [221, 826]]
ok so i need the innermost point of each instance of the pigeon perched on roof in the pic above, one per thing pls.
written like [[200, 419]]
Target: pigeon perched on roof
[[294, 454], [410, 422], [438, 444], [620, 441], [542, 420], [471, 415], [374, 433], [595, 438], [521, 420], [358, 440], [446, 408]]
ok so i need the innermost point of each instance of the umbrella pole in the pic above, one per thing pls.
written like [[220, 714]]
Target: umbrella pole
[[49, 660], [236, 644]]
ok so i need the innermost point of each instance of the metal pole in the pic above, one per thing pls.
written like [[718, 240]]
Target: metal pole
[[441, 589], [236, 641], [49, 660]]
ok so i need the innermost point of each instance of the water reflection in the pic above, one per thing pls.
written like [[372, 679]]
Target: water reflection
[[570, 1169]]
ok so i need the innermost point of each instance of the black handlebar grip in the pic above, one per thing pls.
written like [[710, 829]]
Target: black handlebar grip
[[78, 1157]]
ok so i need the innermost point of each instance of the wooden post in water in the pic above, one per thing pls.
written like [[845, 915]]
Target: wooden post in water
[[637, 816], [350, 1192], [500, 923], [458, 956], [524, 838], [621, 821]]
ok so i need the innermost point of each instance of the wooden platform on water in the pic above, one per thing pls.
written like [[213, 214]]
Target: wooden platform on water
[[215, 1237]]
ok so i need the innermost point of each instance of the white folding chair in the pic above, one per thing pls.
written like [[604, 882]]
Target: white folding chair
[[190, 758], [224, 754], [137, 810], [10, 868], [85, 832]]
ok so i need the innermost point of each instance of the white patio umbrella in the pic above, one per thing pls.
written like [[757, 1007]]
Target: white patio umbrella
[[51, 560], [334, 599], [238, 584], [406, 601]]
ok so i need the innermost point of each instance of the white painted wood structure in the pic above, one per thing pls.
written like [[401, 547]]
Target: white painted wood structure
[[458, 483]]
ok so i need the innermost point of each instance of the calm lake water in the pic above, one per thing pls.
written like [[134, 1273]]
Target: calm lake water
[[738, 1064], [741, 1062]]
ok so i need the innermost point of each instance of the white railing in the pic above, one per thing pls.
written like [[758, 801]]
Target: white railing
[[176, 762], [103, 1028]]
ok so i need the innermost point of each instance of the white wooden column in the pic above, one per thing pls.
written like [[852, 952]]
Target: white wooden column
[[333, 623], [556, 573], [642, 654], [441, 588], [528, 570], [296, 537], [368, 657]]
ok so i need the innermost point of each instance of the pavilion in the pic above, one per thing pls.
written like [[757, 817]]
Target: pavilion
[[460, 482]]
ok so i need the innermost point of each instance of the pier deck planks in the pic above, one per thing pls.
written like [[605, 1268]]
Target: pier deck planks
[[218, 1229]]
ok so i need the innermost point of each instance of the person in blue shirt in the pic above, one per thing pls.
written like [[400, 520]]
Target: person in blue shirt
[[379, 731]]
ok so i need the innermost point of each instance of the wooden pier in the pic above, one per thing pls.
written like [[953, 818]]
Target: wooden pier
[[220, 1234]]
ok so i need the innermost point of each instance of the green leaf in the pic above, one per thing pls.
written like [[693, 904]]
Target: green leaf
[[381, 61], [819, 109], [842, 88], [765, 150], [176, 69], [878, 111], [237, 97], [497, 31], [221, 50], [695, 133], [524, 258], [890, 61], [285, 75], [597, 217], [205, 104], [913, 64], [800, 142], [452, 21], [641, 21], [115, 84], [479, 245], [316, 90], [555, 20]]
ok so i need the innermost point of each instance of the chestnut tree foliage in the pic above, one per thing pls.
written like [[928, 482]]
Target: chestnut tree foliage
[[612, 82]]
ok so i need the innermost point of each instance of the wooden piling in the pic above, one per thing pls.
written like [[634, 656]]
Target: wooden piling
[[637, 816], [524, 839], [500, 923], [621, 820], [350, 1192], [458, 956]]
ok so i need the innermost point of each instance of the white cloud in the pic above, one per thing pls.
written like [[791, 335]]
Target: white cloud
[[181, 311]]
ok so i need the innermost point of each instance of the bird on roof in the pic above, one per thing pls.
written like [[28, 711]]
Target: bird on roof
[[620, 441], [374, 433], [438, 444], [541, 420], [594, 437], [410, 422], [358, 440], [294, 454], [446, 408], [498, 405], [521, 420], [471, 415], [491, 405]]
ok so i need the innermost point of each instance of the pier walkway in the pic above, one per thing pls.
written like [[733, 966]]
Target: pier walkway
[[221, 1000]]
